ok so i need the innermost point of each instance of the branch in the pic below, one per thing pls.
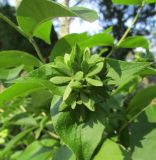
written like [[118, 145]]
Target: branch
[[128, 29], [30, 39]]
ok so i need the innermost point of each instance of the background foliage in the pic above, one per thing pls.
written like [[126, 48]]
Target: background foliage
[[62, 99]]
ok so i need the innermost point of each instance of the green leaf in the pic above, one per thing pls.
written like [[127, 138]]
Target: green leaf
[[43, 72], [65, 154], [25, 87], [75, 84], [38, 150], [111, 151], [147, 149], [60, 79], [79, 76], [138, 103], [129, 86], [61, 67], [101, 39], [15, 140], [142, 139], [65, 44], [13, 58], [134, 2], [83, 137], [23, 119], [94, 82], [151, 112], [85, 66], [67, 92], [85, 13], [8, 74], [148, 72], [32, 16], [96, 69], [88, 102], [43, 31], [122, 71], [135, 42]]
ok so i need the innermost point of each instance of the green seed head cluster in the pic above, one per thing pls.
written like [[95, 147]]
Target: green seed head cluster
[[84, 77]]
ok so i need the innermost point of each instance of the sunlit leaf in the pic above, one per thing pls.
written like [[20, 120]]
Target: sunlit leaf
[[134, 2], [111, 150], [135, 42], [25, 87], [32, 16], [13, 58]]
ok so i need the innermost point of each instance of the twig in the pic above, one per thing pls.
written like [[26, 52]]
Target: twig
[[30, 39], [128, 29]]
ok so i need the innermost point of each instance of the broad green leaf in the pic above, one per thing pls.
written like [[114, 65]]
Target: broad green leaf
[[142, 139], [129, 86], [25, 87], [84, 13], [148, 72], [94, 82], [135, 42], [134, 2], [138, 103], [38, 151], [15, 155], [43, 72], [147, 149], [65, 44], [15, 140], [101, 39], [151, 112], [33, 15], [13, 58], [43, 31], [111, 150], [83, 137], [65, 154], [122, 71], [39, 99], [8, 74]]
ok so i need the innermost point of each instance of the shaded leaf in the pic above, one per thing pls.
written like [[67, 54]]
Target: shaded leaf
[[88, 102], [138, 103], [122, 71], [142, 138], [83, 137], [65, 154], [38, 150], [8, 74], [15, 140]]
